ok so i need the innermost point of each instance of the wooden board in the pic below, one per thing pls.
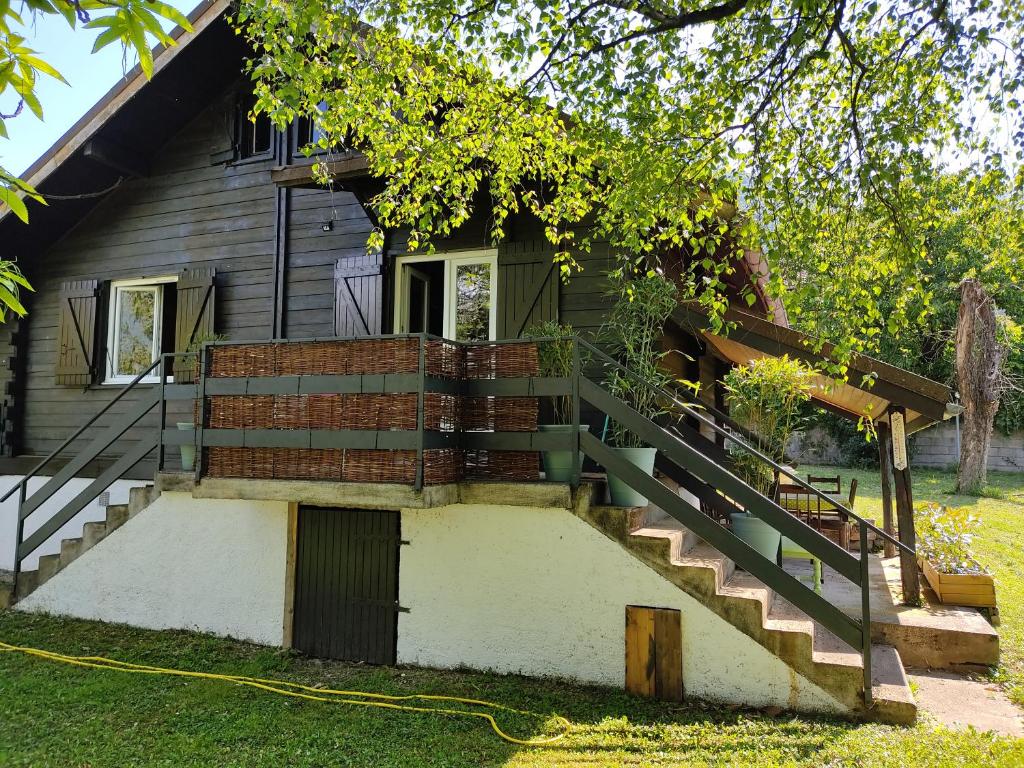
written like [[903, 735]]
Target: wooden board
[[654, 653], [977, 591]]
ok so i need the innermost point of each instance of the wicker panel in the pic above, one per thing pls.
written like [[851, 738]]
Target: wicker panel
[[243, 360], [325, 411], [254, 463], [372, 356], [441, 413], [241, 412], [445, 360], [308, 463], [443, 465], [291, 412], [502, 465], [497, 361], [379, 466], [499, 414]]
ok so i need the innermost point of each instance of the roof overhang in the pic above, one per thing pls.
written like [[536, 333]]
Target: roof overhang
[[871, 388]]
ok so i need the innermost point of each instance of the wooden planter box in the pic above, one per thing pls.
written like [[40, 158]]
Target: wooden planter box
[[977, 591]]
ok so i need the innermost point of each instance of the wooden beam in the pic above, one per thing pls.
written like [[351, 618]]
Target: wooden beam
[[905, 521], [885, 469], [301, 175], [288, 628], [115, 156]]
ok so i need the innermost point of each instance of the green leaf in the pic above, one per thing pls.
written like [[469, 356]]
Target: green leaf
[[14, 202]]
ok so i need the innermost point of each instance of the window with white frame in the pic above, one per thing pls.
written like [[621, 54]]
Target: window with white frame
[[135, 327], [451, 295]]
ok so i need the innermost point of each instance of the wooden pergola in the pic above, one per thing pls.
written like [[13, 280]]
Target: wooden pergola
[[898, 401]]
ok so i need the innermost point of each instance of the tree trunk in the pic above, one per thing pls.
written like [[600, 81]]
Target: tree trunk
[[979, 372]]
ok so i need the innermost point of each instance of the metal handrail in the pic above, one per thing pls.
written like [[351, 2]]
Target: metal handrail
[[53, 454], [749, 448]]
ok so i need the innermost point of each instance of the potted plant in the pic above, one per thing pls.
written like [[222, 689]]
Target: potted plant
[[642, 302], [188, 451], [555, 359], [944, 536], [766, 397]]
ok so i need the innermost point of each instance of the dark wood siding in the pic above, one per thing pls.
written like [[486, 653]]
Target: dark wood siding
[[313, 253], [346, 584], [187, 214]]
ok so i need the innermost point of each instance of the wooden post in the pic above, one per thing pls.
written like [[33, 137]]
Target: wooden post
[[885, 468], [905, 511]]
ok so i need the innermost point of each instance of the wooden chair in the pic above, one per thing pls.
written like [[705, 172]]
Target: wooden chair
[[827, 484]]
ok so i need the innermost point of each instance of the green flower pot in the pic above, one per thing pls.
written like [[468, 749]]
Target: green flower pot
[[188, 452], [622, 495], [558, 465], [758, 534]]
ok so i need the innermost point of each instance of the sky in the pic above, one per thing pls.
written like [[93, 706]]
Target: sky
[[90, 76]]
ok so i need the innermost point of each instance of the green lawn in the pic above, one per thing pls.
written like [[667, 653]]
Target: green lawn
[[57, 715]]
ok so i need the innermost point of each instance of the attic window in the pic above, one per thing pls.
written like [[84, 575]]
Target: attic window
[[255, 137]]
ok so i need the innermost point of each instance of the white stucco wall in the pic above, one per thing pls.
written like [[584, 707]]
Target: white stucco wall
[[210, 565], [541, 592], [72, 529]]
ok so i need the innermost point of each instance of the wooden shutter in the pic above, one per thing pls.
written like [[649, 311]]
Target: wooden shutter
[[527, 287], [76, 334], [193, 316], [358, 295]]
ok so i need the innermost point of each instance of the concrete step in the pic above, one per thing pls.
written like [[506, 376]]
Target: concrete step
[[742, 585], [27, 583], [705, 556], [139, 497], [93, 533], [117, 515], [70, 549], [48, 566], [6, 595]]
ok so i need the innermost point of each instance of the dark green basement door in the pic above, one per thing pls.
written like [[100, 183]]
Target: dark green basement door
[[346, 584]]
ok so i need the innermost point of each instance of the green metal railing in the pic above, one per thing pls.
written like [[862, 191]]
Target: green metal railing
[[150, 395]]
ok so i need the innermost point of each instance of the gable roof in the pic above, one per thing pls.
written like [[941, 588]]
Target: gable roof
[[132, 120]]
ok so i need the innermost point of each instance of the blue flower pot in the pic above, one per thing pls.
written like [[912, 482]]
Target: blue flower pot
[[758, 534], [558, 465]]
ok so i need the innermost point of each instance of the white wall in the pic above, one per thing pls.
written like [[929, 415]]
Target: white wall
[[72, 529], [541, 592], [210, 565]]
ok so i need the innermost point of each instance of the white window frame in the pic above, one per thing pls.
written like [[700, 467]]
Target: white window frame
[[156, 284], [452, 260]]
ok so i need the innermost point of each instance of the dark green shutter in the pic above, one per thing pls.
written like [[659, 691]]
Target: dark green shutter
[[76, 334], [358, 295], [527, 286], [194, 316]]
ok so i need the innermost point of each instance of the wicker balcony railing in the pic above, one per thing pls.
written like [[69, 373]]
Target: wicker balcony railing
[[415, 410]]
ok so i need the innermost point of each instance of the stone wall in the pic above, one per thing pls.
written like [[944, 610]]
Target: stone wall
[[932, 447]]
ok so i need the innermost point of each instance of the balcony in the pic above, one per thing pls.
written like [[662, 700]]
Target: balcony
[[408, 410]]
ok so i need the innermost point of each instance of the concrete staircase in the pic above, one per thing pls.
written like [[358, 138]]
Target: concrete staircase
[[70, 549], [679, 556]]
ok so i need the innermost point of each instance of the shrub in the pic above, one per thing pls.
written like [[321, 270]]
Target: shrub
[[944, 536], [766, 397]]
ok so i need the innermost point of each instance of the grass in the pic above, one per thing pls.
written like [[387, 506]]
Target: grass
[[999, 546], [56, 715]]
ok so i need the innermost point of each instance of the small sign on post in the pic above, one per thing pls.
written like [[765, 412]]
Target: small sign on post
[[899, 440]]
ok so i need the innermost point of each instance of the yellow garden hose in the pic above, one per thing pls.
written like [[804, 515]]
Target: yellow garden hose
[[299, 691]]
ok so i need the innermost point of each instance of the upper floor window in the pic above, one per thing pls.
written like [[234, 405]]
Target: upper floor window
[[135, 327], [256, 137], [308, 133]]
